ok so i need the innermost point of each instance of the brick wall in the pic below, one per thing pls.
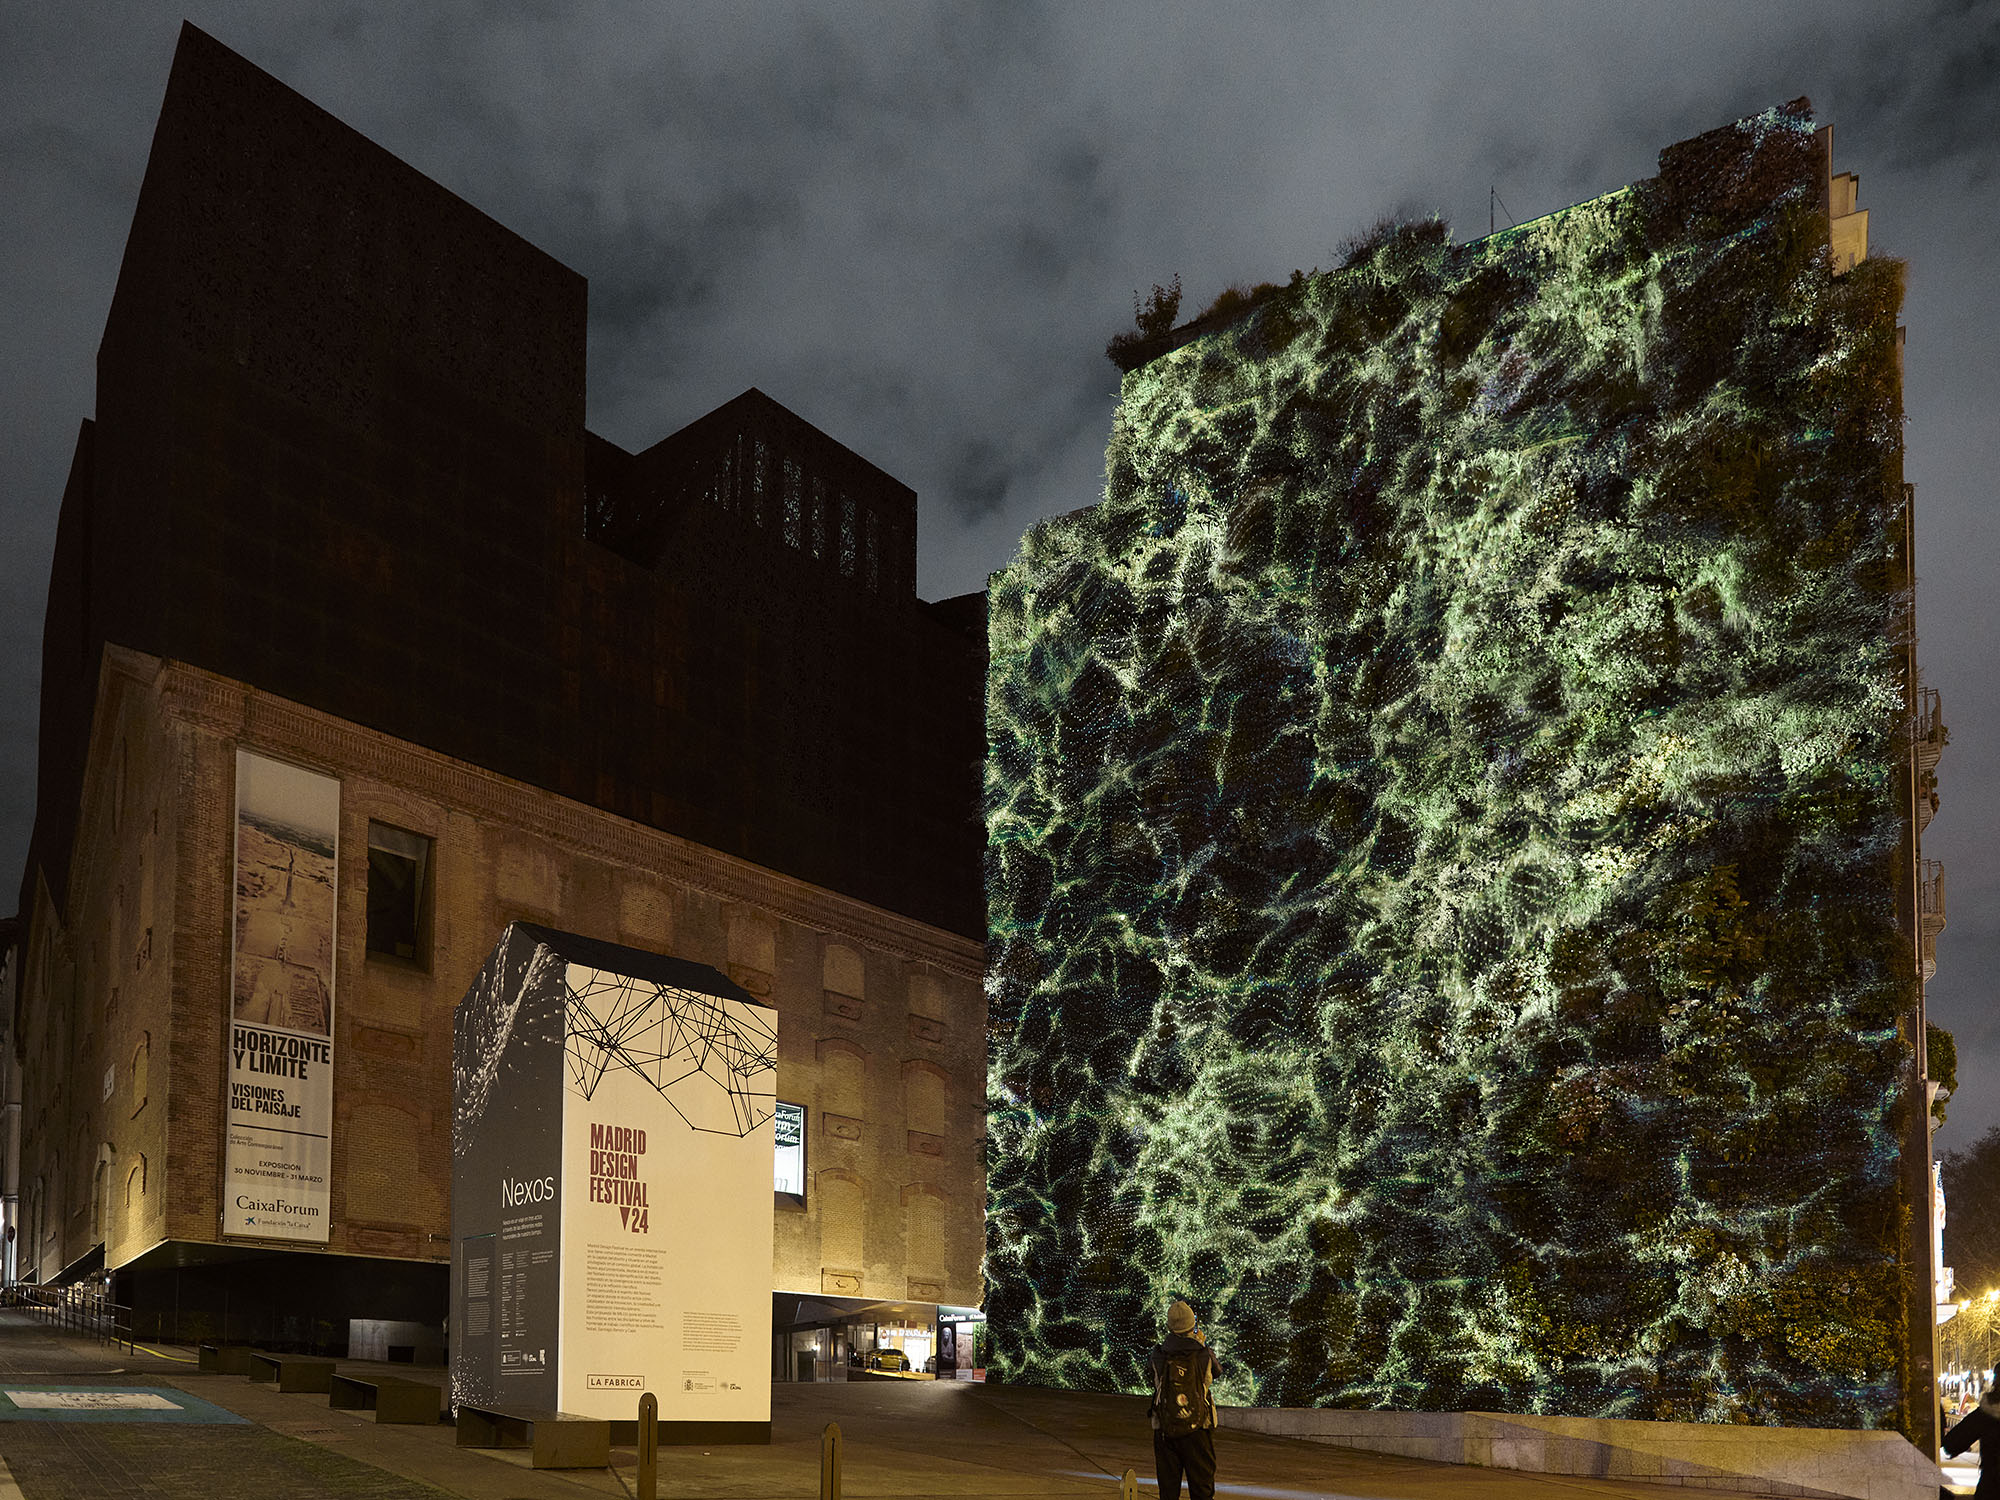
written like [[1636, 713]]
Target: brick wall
[[96, 1001], [881, 1018]]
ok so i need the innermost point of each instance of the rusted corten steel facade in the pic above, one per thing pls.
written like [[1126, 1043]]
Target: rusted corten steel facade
[[338, 507]]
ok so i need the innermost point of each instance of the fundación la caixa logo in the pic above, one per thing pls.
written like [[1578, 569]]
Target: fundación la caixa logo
[[254, 1206]]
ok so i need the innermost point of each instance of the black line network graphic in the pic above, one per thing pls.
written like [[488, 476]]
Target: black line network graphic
[[706, 1058]]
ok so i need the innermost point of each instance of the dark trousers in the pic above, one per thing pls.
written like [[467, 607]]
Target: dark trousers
[[1189, 1453]]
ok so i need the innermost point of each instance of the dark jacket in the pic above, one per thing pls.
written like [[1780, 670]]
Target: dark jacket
[[1982, 1422], [1176, 1343]]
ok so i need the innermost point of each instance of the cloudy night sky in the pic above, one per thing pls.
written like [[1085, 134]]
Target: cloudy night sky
[[916, 225]]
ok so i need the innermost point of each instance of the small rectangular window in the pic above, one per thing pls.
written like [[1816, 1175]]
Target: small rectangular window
[[399, 868], [731, 471], [794, 501], [763, 484], [790, 1177]]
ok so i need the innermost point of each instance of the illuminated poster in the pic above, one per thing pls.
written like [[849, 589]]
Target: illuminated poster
[[611, 1191], [789, 1165], [278, 1136]]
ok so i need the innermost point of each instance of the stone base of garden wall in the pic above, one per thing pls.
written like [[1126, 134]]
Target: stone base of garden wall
[[1804, 1461]]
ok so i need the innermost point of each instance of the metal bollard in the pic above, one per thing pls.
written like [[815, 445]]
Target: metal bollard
[[649, 1448], [1128, 1486], [829, 1462]]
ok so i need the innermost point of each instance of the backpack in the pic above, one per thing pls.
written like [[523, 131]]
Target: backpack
[[1180, 1390]]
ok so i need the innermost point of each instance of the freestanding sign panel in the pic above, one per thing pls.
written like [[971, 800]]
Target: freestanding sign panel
[[611, 1188], [278, 1136]]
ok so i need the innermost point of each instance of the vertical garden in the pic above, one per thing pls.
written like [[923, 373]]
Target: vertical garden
[[1440, 825]]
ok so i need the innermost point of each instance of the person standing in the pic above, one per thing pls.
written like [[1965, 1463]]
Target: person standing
[[1982, 1422], [1183, 1368]]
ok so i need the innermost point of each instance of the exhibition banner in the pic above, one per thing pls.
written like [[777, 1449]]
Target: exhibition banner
[[278, 1122], [611, 1191], [666, 1251]]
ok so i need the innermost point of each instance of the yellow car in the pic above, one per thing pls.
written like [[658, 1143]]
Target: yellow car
[[888, 1359]]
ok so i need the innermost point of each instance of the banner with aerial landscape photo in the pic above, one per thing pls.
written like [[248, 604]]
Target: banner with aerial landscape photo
[[278, 1136]]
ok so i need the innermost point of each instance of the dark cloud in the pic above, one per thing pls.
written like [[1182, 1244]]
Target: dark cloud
[[1935, 103], [979, 477], [918, 224]]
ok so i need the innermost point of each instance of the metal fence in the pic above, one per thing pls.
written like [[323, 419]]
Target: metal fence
[[77, 1311]]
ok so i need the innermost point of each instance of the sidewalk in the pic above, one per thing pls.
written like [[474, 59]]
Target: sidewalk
[[953, 1441]]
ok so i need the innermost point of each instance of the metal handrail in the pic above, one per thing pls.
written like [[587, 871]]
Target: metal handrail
[[1930, 890], [1927, 720], [81, 1314]]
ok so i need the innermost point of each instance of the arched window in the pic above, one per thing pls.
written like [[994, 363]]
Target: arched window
[[141, 1059], [31, 1253], [927, 1216], [843, 1078], [83, 1181], [842, 1197], [925, 1106], [135, 1180]]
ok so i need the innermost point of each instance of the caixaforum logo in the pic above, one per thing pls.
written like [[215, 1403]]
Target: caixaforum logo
[[614, 1382]]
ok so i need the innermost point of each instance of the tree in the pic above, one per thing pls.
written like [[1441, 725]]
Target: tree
[[1972, 1214], [1154, 317], [1941, 1062]]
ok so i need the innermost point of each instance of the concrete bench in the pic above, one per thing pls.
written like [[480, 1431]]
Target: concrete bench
[[292, 1372], [555, 1439], [390, 1397], [683, 1434], [224, 1359]]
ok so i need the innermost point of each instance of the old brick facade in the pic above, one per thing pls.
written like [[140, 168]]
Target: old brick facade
[[338, 506], [881, 1018]]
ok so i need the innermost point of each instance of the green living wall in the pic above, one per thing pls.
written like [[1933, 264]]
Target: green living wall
[[1440, 829]]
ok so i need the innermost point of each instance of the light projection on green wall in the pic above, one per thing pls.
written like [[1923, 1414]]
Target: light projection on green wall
[[1439, 816]]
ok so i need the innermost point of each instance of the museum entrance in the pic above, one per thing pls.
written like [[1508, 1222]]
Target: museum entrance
[[960, 1340], [854, 1338]]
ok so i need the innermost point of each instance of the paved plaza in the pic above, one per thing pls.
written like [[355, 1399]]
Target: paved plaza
[[906, 1440]]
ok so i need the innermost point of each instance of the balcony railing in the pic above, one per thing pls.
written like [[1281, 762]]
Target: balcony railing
[[1927, 731], [1930, 892], [1927, 741], [1930, 913]]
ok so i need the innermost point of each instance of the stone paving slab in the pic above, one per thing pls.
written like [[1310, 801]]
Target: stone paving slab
[[932, 1440], [38, 1401], [134, 1456], [949, 1441], [428, 1456], [153, 1461]]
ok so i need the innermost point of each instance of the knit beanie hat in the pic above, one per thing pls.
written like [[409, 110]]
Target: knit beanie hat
[[1180, 1317]]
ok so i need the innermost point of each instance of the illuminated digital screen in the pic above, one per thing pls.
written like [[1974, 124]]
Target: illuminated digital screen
[[790, 1125]]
